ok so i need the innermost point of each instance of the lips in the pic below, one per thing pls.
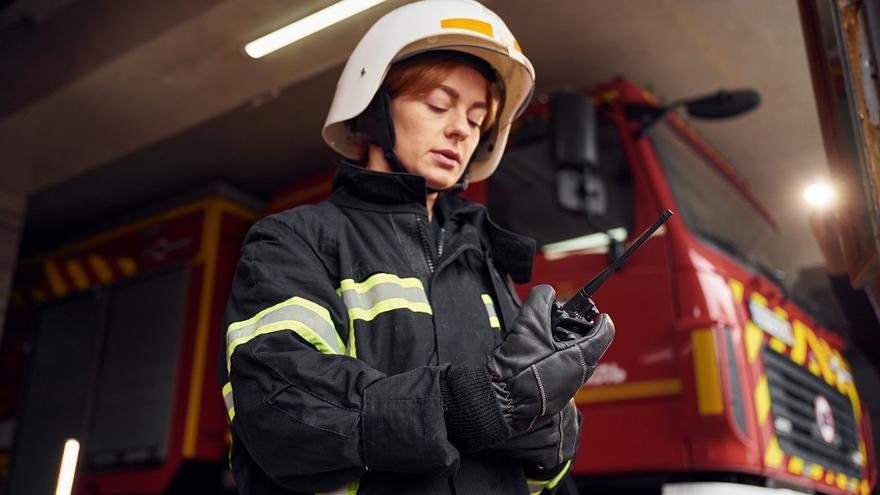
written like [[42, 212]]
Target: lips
[[447, 157]]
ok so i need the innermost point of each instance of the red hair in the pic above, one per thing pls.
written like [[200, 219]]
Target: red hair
[[419, 77]]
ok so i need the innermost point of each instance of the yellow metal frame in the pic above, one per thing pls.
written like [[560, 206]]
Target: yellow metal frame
[[214, 209]]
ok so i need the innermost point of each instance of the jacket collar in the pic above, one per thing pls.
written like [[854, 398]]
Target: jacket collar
[[513, 253], [357, 187]]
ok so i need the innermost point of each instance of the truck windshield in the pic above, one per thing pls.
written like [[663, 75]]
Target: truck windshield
[[712, 207], [522, 194]]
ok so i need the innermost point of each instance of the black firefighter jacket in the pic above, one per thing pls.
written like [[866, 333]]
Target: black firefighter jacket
[[343, 319]]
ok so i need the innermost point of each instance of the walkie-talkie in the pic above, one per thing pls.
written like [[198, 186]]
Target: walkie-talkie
[[581, 307]]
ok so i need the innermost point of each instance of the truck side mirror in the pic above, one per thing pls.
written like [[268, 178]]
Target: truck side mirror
[[723, 104], [573, 130], [719, 105], [574, 145], [582, 191]]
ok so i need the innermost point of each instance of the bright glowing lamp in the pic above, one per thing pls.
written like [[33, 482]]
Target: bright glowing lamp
[[819, 195], [308, 25], [68, 467]]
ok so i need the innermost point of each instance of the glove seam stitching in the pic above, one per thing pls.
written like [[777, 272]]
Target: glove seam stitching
[[561, 439], [541, 388], [583, 367]]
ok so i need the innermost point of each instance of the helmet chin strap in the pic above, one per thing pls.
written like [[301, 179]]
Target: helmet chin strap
[[375, 122]]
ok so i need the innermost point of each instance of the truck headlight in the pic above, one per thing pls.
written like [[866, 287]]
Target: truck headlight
[[782, 425], [857, 458]]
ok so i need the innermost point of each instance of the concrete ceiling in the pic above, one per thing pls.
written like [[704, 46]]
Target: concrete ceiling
[[108, 106]]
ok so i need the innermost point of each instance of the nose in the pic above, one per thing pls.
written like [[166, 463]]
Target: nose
[[458, 126]]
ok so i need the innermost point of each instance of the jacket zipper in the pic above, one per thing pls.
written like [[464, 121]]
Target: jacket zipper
[[440, 243], [426, 245]]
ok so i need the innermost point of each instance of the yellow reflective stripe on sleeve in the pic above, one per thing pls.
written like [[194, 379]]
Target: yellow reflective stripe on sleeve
[[537, 486], [378, 294], [379, 278], [227, 398], [556, 479], [383, 292], [308, 320], [490, 309], [349, 489], [388, 305]]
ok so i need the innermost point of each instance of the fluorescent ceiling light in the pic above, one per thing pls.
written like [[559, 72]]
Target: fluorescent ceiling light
[[68, 467], [589, 241], [306, 26]]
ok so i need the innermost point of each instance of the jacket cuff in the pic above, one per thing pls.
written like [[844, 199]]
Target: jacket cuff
[[474, 418], [403, 425]]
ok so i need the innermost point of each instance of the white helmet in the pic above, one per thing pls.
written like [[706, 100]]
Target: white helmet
[[457, 25]]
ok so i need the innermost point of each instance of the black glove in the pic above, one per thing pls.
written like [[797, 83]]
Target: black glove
[[552, 441], [534, 374]]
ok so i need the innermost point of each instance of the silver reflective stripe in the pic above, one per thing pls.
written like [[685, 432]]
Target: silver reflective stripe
[[383, 292], [308, 320], [378, 294], [490, 308], [227, 398]]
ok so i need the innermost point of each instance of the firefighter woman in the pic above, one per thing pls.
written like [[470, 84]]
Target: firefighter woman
[[374, 343]]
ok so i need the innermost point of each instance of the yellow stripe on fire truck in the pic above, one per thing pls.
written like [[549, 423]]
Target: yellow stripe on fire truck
[[708, 379], [762, 400], [64, 277], [773, 455]]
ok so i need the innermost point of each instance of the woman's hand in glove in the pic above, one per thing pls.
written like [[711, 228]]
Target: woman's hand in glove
[[535, 375], [552, 441]]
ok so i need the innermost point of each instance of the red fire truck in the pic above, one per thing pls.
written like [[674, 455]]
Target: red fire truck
[[716, 375], [717, 382], [113, 341]]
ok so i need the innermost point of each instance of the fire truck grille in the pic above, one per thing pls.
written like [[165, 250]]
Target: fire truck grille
[[794, 394]]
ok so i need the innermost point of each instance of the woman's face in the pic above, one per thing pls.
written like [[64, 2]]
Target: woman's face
[[437, 132]]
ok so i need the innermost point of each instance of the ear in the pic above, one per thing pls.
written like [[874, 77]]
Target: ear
[[375, 121]]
